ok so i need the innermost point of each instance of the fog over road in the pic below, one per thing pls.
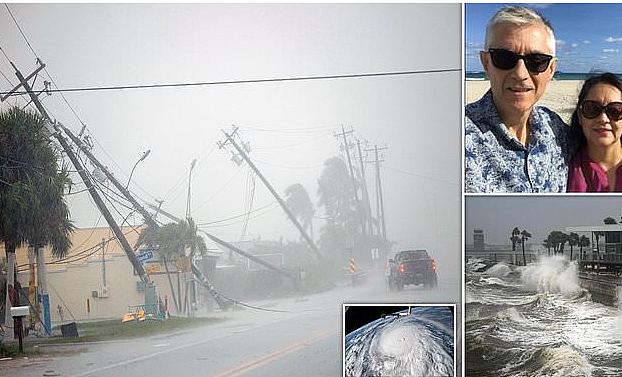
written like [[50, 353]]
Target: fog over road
[[305, 340]]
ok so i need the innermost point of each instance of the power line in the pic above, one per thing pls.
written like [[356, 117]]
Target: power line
[[249, 81], [314, 139], [236, 216], [20, 30], [290, 129], [422, 176], [288, 167]]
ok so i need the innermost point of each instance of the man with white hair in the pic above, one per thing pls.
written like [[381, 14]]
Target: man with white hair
[[511, 144]]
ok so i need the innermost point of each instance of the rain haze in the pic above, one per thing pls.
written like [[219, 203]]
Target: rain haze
[[387, 75], [498, 215], [290, 125]]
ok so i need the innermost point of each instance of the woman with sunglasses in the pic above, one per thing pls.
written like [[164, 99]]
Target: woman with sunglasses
[[596, 126]]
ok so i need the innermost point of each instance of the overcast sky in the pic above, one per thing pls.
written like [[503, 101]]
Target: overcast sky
[[289, 125], [583, 43], [539, 215]]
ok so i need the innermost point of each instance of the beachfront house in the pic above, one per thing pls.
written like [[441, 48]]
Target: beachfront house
[[605, 251]]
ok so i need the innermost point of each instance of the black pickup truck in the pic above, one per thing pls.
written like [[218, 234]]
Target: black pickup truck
[[411, 267]]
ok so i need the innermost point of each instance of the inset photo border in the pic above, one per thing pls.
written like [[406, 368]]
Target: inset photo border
[[416, 340]]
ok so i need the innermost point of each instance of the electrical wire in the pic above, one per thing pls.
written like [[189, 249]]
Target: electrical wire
[[420, 176], [250, 197], [287, 167], [249, 81], [235, 217], [224, 186], [239, 222], [63, 96], [293, 145], [5, 77], [289, 129], [20, 30]]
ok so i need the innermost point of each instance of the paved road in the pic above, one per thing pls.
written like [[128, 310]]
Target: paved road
[[305, 340]]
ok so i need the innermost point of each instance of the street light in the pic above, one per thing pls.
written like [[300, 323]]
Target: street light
[[189, 179], [145, 154]]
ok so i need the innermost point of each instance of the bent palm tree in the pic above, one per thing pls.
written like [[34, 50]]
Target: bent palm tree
[[524, 236], [170, 242], [298, 201], [32, 208]]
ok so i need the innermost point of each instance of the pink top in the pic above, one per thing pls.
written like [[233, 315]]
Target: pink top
[[594, 173]]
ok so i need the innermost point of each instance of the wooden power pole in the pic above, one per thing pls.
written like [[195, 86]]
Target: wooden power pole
[[242, 153]]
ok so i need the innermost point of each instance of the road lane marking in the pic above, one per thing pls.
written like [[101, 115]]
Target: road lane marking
[[264, 360], [151, 355]]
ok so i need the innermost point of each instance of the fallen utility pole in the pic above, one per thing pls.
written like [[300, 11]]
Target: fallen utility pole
[[274, 193], [144, 213], [149, 219], [237, 250], [86, 179]]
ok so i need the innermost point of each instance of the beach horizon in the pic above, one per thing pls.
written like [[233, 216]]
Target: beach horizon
[[560, 96]]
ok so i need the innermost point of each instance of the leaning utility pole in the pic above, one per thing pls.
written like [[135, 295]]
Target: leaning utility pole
[[379, 198], [233, 248], [85, 178], [365, 192], [274, 193], [144, 213], [346, 147], [379, 183]]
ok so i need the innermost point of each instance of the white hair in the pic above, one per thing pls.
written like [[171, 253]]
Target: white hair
[[520, 16]]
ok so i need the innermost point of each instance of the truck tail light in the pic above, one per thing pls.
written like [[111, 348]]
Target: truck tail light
[[401, 268], [433, 265]]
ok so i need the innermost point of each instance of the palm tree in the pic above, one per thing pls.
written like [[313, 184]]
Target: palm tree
[[583, 242], [298, 201], [548, 244], [524, 236], [573, 240], [158, 238], [336, 192], [514, 237], [336, 195], [563, 238], [171, 241], [609, 221], [32, 208]]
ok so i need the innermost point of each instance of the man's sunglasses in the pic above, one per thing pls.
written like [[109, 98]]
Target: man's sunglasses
[[504, 59], [592, 109]]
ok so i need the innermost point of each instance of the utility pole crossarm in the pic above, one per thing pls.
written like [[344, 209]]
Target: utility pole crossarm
[[10, 93], [87, 181], [276, 195]]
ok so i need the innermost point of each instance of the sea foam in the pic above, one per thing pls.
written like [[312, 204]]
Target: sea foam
[[552, 275]]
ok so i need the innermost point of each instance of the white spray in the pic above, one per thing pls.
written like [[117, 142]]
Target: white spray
[[552, 275]]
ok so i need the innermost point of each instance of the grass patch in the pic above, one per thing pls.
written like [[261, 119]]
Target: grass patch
[[12, 351], [114, 329]]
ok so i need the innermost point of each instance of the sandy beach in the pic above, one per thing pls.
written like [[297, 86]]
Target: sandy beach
[[560, 96]]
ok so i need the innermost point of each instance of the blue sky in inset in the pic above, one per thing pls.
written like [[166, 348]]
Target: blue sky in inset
[[588, 36]]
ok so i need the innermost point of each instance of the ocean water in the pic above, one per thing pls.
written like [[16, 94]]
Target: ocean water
[[537, 321]]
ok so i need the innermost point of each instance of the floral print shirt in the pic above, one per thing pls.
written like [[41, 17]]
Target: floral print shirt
[[495, 161]]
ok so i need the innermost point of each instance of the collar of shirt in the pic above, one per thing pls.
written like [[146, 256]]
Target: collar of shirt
[[485, 115]]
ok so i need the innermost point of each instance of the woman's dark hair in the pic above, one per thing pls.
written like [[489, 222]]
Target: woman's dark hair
[[602, 78]]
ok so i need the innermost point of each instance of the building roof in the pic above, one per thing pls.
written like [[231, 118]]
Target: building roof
[[595, 228]]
